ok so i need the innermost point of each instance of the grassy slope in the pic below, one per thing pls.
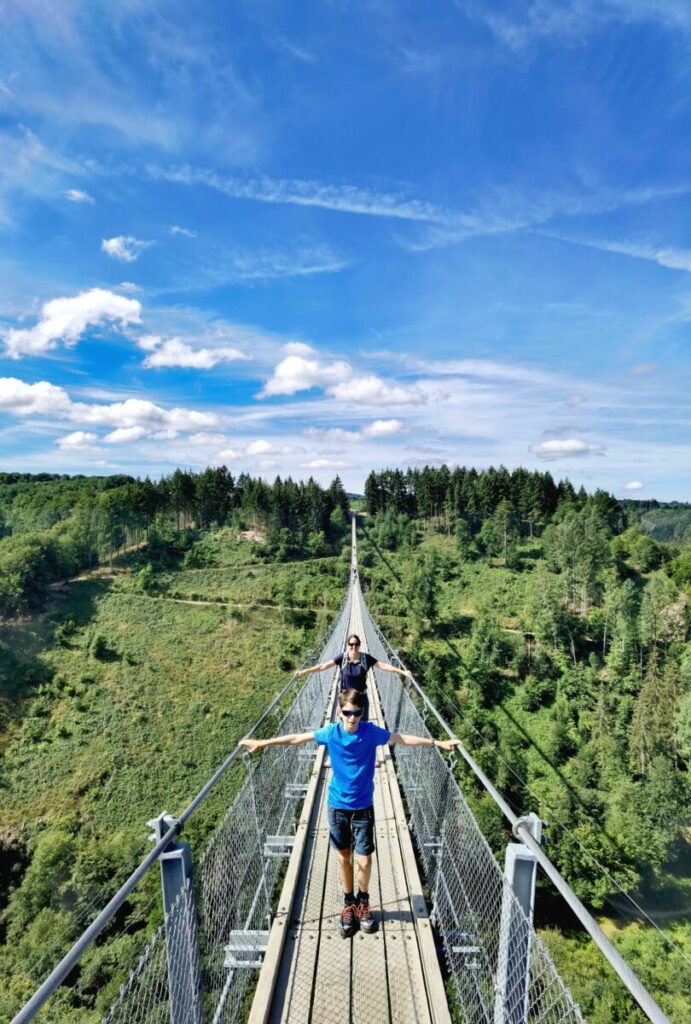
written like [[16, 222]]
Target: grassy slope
[[117, 705]]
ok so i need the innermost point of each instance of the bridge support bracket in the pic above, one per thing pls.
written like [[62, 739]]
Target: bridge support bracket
[[516, 928], [278, 846], [182, 941], [246, 949], [294, 791]]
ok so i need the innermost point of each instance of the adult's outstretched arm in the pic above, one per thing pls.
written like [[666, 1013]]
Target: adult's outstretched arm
[[386, 667], [316, 668]]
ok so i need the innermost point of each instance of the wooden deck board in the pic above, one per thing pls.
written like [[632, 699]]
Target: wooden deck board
[[293, 995], [331, 1001]]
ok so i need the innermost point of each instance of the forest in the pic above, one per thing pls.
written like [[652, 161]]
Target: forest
[[547, 624], [553, 634]]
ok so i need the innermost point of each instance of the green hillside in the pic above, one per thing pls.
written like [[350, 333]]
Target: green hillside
[[146, 626], [563, 661], [122, 692]]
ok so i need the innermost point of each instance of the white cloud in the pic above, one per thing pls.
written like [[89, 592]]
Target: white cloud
[[304, 368], [29, 168], [124, 247], [641, 368], [75, 195], [372, 390], [176, 352], [298, 373], [298, 348], [564, 449], [633, 485], [343, 198], [48, 400], [574, 400], [336, 434], [324, 464], [165, 435], [485, 369], [266, 264], [175, 230], [80, 440], [543, 19], [139, 412], [378, 428], [262, 447], [383, 428], [128, 286], [64, 320], [205, 439], [33, 399], [228, 455], [664, 256], [124, 434]]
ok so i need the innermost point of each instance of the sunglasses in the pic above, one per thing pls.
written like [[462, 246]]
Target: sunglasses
[[352, 714], [356, 644]]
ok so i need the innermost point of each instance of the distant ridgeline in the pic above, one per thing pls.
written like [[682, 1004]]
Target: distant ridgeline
[[61, 524], [665, 521], [474, 494], [53, 526]]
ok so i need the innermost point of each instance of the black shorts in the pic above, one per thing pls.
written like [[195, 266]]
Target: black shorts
[[352, 829]]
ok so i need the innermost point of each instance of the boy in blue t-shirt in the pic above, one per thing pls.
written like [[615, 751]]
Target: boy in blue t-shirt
[[352, 746]]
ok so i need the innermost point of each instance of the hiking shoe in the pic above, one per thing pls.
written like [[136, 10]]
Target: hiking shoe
[[347, 921], [366, 919]]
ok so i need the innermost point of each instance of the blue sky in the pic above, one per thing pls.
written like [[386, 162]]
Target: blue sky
[[328, 237]]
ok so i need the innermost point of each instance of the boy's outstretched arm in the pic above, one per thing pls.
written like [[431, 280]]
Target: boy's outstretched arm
[[291, 740], [423, 741]]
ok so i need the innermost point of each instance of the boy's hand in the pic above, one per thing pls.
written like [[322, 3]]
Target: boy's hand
[[251, 745]]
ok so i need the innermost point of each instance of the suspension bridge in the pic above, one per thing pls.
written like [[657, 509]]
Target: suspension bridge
[[249, 919]]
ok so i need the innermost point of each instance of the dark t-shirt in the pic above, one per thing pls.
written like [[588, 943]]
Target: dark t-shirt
[[354, 673]]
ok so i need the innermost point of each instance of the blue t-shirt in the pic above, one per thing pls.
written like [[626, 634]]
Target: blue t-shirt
[[353, 756], [354, 673]]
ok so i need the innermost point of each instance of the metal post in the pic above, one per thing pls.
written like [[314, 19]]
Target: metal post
[[182, 942], [513, 962]]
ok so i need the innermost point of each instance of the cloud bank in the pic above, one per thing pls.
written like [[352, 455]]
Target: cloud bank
[[565, 448], [176, 352], [124, 247], [304, 368], [64, 320]]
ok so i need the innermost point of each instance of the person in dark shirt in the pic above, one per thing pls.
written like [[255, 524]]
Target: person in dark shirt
[[354, 666], [352, 746]]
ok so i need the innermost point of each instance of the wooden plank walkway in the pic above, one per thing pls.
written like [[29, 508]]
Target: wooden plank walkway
[[313, 975]]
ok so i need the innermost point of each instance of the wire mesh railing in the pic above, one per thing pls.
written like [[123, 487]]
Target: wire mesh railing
[[484, 931], [236, 876]]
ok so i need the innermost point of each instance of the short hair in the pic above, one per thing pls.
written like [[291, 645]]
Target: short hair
[[354, 636], [351, 697]]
